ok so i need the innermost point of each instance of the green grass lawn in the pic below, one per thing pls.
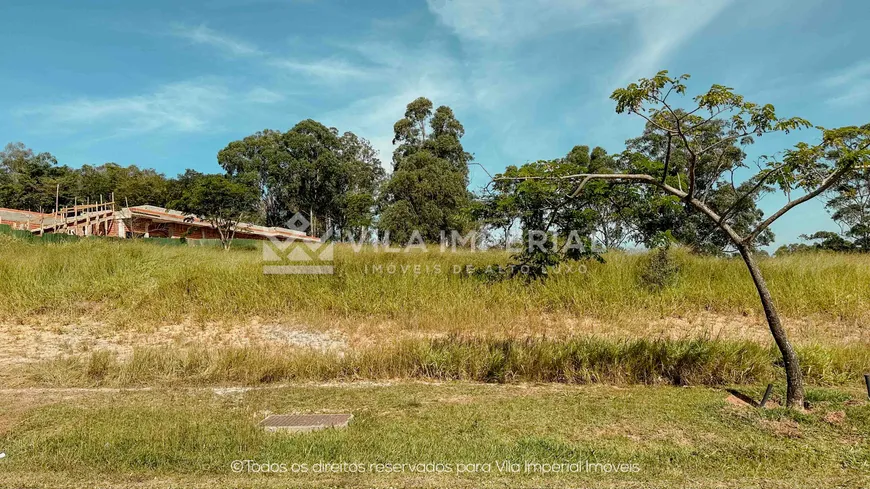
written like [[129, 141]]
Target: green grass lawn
[[676, 437]]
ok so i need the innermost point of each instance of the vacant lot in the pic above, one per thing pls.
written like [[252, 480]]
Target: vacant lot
[[112, 287], [133, 364], [98, 312]]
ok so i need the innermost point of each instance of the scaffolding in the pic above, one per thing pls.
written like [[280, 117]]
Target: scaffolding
[[80, 220]]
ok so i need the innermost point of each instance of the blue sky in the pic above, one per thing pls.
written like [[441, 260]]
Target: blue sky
[[168, 84]]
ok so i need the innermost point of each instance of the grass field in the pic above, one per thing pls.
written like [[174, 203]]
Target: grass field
[[134, 364], [134, 284], [674, 437]]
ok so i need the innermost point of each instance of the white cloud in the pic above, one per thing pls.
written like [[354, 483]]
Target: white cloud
[[662, 26], [262, 95], [857, 72], [509, 22], [183, 107], [201, 34], [853, 84], [399, 75], [324, 69], [662, 31], [514, 68]]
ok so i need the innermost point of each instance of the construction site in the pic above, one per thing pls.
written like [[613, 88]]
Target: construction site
[[144, 221]]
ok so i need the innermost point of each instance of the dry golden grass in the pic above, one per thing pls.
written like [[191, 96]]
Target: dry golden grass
[[102, 287]]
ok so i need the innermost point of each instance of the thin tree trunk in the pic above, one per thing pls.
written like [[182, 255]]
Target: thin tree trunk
[[794, 376]]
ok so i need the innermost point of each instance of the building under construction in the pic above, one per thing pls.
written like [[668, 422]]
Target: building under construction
[[145, 221]]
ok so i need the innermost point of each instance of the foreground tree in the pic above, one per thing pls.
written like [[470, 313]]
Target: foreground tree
[[810, 169], [654, 212]]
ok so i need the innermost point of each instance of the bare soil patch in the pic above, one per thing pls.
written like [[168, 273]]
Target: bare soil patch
[[25, 343]]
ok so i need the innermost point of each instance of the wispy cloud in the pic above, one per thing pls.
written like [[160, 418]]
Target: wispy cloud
[[181, 107], [661, 26], [202, 34], [848, 76], [324, 69], [498, 22], [662, 31], [399, 74], [260, 95], [852, 83]]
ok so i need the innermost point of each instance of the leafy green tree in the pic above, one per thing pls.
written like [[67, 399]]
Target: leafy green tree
[[849, 205], [812, 169], [667, 156], [545, 204], [30, 180], [220, 200], [332, 180], [792, 248], [829, 241], [497, 211], [428, 190], [823, 241], [360, 178], [34, 181], [310, 177], [426, 196], [260, 157], [129, 185]]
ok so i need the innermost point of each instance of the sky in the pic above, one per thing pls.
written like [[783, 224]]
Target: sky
[[167, 84]]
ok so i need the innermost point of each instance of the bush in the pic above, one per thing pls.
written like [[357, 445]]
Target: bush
[[659, 270]]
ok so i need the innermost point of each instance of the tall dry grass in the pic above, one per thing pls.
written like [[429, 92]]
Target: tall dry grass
[[573, 361], [129, 283]]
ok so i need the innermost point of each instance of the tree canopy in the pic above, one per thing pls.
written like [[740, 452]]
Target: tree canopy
[[221, 200], [333, 180], [428, 189]]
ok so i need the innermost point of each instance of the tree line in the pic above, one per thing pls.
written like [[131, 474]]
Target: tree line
[[338, 184]]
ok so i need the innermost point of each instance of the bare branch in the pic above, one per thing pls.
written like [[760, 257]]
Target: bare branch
[[827, 183], [667, 159], [727, 140], [754, 188], [647, 179], [484, 169], [653, 122], [693, 157]]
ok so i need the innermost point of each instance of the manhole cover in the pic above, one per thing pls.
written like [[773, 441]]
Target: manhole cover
[[305, 422]]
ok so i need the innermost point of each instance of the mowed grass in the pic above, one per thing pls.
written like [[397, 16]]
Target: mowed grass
[[677, 437], [131, 284]]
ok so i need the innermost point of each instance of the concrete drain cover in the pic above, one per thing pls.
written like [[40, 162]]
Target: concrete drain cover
[[305, 422]]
